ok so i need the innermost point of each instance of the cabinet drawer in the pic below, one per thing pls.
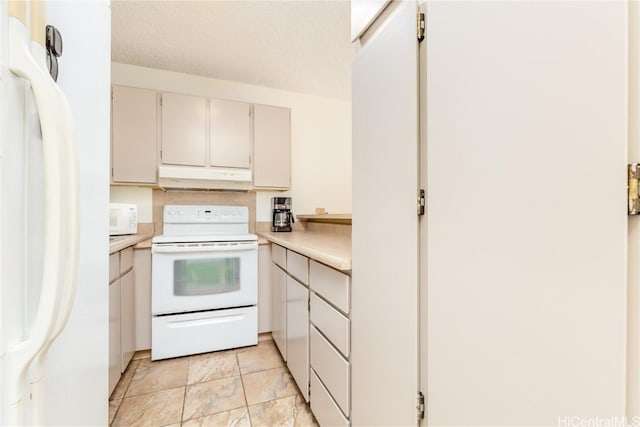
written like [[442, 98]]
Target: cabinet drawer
[[331, 368], [279, 255], [126, 259], [114, 266], [322, 405], [331, 284], [298, 266], [331, 323]]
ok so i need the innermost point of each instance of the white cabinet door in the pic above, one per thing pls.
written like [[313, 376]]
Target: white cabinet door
[[230, 133], [279, 308], [115, 353], [264, 288], [184, 133], [134, 129], [142, 274], [298, 334], [384, 325], [271, 146], [127, 318], [526, 229]]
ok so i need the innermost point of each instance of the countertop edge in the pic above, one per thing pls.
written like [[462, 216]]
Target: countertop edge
[[132, 240], [335, 261]]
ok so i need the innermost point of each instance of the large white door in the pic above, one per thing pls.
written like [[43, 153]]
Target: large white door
[[384, 315], [526, 136]]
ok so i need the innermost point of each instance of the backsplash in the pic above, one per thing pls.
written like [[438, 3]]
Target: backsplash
[[228, 198]]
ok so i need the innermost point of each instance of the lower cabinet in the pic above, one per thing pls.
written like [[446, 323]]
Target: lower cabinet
[[127, 319], [142, 275], [279, 308], [332, 368], [264, 288], [122, 322], [323, 406], [311, 324], [115, 362], [330, 345], [298, 334]]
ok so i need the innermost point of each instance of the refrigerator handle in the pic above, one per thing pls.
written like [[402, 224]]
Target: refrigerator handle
[[60, 217]]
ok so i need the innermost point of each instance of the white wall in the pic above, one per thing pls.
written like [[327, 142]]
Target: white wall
[[320, 137]]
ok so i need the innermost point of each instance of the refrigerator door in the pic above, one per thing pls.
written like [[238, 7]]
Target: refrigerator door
[[75, 390]]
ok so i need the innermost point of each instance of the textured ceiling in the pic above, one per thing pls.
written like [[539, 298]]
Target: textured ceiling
[[302, 46]]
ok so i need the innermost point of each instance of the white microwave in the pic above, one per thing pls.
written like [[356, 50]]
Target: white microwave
[[123, 219]]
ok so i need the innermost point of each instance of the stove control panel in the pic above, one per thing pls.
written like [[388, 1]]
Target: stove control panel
[[194, 214]]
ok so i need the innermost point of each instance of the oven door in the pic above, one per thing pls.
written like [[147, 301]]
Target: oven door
[[203, 276]]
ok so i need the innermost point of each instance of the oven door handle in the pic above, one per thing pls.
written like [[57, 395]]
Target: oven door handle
[[202, 247]]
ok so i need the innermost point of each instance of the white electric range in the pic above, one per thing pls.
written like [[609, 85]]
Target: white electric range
[[204, 281]]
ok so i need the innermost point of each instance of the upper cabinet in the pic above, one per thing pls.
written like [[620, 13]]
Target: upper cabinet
[[134, 124], [230, 134], [184, 129], [201, 132], [151, 128], [271, 147]]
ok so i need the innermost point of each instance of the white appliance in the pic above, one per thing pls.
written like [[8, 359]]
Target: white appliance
[[54, 174], [123, 219], [204, 281]]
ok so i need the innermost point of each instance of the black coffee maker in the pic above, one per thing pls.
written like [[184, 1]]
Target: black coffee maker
[[281, 216]]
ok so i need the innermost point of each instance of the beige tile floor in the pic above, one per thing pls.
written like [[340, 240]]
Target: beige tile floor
[[243, 387]]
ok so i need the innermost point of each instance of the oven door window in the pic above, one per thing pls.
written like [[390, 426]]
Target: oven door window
[[206, 276]]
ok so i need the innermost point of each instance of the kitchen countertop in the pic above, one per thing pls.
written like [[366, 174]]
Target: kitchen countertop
[[129, 240], [331, 249]]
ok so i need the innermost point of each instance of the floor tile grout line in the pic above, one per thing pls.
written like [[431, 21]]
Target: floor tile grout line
[[184, 402], [277, 398], [156, 391], [124, 393], [265, 370], [184, 396], [244, 391]]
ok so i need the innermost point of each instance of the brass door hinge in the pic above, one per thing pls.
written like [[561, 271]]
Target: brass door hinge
[[420, 406], [421, 26], [421, 202], [633, 175]]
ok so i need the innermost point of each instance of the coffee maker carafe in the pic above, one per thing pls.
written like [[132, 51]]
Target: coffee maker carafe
[[281, 216]]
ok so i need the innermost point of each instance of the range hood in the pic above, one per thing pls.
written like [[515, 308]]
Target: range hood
[[213, 178]]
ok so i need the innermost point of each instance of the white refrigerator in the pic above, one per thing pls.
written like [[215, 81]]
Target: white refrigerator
[[66, 385]]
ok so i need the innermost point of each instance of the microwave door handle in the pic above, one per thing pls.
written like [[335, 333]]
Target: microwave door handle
[[172, 249]]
